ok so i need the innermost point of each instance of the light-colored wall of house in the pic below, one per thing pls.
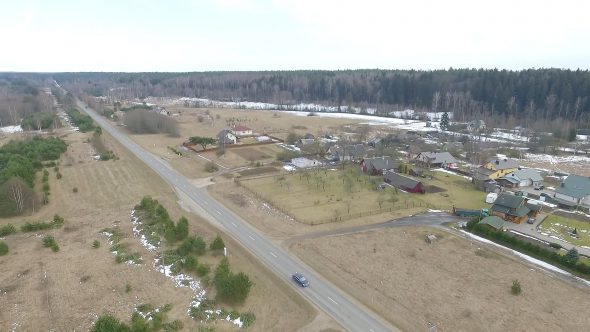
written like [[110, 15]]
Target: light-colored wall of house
[[586, 200], [566, 198], [525, 183]]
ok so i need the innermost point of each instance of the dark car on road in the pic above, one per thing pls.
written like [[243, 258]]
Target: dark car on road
[[300, 279]]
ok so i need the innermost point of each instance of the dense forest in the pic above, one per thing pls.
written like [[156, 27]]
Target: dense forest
[[533, 93], [22, 98]]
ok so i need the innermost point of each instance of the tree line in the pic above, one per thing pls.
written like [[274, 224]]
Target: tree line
[[537, 93]]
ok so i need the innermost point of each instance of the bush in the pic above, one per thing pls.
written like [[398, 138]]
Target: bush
[[247, 319], [3, 248], [230, 287], [217, 244], [203, 270], [182, 228], [210, 167], [7, 230], [516, 288], [127, 288], [109, 323], [58, 175], [192, 245], [82, 121], [49, 242], [95, 244], [75, 190]]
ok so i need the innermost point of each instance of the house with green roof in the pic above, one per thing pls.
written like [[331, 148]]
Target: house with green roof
[[511, 208], [574, 189], [494, 222], [525, 177]]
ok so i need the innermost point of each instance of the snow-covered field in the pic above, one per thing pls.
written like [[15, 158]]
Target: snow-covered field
[[545, 158]]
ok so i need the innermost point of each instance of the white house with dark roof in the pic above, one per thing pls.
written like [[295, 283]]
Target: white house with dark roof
[[574, 189]]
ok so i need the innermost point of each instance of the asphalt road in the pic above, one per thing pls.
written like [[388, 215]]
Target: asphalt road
[[349, 313]]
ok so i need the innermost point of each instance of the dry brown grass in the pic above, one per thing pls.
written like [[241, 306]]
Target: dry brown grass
[[69, 289], [456, 284]]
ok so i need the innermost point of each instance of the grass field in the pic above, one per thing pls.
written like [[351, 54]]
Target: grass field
[[320, 196], [67, 290], [562, 228], [454, 284]]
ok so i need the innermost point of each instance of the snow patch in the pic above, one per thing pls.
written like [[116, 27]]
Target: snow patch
[[11, 129]]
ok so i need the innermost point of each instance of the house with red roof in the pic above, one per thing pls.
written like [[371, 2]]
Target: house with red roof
[[240, 130]]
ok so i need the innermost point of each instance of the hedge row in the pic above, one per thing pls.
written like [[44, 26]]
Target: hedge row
[[544, 254]]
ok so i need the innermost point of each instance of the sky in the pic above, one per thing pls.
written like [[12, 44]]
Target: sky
[[212, 35]]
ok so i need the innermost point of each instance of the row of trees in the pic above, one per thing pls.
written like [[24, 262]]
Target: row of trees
[[20, 97], [146, 122]]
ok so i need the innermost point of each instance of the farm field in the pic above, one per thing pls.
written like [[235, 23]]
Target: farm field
[[68, 290], [321, 196], [277, 124], [562, 228], [454, 283]]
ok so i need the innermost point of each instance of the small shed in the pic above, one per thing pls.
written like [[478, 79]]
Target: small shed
[[494, 222]]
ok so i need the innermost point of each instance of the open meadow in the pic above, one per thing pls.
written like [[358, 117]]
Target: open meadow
[[68, 289], [328, 195], [562, 226], [454, 283]]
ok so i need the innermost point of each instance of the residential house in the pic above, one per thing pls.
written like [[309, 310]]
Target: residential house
[[226, 136], [508, 182], [575, 189], [304, 141], [476, 125], [494, 222], [436, 159], [480, 177], [404, 183], [160, 110], [511, 208], [240, 130], [302, 162], [526, 177], [351, 152], [501, 167], [377, 165]]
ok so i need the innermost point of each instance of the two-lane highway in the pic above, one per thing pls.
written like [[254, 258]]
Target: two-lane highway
[[350, 314]]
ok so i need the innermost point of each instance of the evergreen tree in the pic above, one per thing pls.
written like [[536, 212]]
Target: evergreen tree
[[573, 133], [444, 121], [572, 256]]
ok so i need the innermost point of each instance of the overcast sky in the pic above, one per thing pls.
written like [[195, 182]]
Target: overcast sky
[[204, 35]]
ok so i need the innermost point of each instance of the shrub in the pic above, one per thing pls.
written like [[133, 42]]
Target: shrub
[[217, 244], [3, 248], [75, 190], [182, 228], [127, 288], [7, 230], [192, 245], [516, 288], [231, 287], [210, 167], [247, 319], [203, 270], [95, 244], [49, 242], [58, 175], [109, 323]]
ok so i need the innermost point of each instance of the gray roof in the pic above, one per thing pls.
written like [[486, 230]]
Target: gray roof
[[482, 174], [222, 136], [400, 181], [439, 157], [354, 151], [575, 186], [526, 173], [503, 163], [379, 163]]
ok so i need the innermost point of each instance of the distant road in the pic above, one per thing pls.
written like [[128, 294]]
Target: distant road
[[352, 315]]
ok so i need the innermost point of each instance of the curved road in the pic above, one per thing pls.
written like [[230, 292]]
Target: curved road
[[349, 313]]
